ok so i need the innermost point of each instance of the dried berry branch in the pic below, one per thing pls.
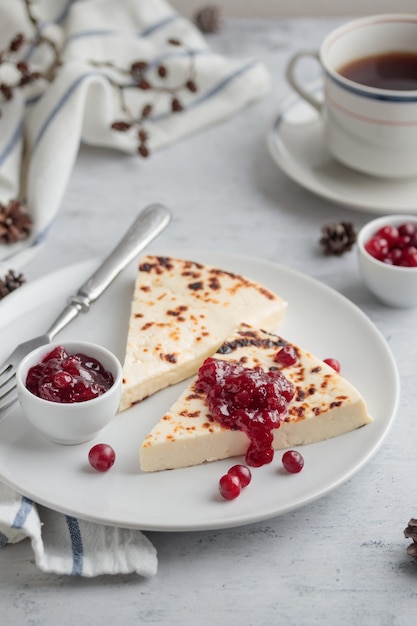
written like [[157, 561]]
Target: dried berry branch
[[23, 75], [139, 74], [15, 222], [12, 56], [138, 71], [40, 38]]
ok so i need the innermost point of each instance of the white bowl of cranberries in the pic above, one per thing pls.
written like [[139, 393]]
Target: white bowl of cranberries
[[387, 252], [69, 392]]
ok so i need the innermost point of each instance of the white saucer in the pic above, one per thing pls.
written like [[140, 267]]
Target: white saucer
[[296, 144]]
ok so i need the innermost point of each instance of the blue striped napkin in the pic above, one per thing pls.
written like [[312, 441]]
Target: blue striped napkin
[[63, 544], [163, 62]]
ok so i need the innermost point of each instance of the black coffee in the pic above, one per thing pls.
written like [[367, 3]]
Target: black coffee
[[391, 70]]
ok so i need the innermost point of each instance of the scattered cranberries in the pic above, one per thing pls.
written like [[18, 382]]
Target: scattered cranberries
[[334, 363], [102, 457], [242, 472], [229, 486], [247, 399], [61, 377], [394, 245], [292, 461]]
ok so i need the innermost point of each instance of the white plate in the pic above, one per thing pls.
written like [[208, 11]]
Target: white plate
[[296, 143], [318, 318]]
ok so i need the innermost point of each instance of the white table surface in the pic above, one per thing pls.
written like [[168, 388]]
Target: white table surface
[[341, 560]]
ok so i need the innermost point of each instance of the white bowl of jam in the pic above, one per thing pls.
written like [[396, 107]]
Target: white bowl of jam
[[69, 391], [387, 253]]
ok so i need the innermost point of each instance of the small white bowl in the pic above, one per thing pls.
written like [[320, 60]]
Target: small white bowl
[[393, 285], [70, 423]]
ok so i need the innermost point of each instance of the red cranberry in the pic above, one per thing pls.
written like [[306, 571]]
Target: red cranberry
[[377, 247], [229, 487], [389, 233], [403, 241], [394, 255], [293, 461], [407, 229], [243, 473], [72, 364], [334, 363], [287, 356], [257, 458], [102, 457], [61, 379], [409, 257]]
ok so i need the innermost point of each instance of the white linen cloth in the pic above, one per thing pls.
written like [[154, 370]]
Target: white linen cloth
[[63, 544], [41, 129]]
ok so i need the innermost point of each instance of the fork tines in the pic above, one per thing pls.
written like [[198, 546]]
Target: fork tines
[[8, 393]]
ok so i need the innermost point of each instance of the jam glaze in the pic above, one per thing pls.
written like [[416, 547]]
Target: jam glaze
[[61, 377], [248, 399]]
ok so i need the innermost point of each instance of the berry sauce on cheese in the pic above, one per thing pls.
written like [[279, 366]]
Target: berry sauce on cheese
[[247, 399]]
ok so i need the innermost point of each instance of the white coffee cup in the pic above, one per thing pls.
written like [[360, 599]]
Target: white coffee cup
[[370, 129]]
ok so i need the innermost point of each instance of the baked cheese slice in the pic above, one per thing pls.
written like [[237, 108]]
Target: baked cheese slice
[[181, 313], [324, 405]]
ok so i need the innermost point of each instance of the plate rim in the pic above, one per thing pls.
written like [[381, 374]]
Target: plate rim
[[231, 521]]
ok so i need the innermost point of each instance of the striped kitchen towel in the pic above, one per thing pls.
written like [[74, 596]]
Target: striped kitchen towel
[[133, 75], [66, 545]]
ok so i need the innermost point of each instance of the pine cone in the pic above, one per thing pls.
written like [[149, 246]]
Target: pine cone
[[337, 238], [15, 223], [411, 533], [10, 282], [208, 19]]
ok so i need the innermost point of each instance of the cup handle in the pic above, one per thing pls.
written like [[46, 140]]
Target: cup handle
[[290, 74]]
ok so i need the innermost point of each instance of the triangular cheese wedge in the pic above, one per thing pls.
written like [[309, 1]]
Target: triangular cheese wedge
[[181, 313], [324, 405]]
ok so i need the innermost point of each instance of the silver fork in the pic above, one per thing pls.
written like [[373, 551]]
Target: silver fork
[[150, 222]]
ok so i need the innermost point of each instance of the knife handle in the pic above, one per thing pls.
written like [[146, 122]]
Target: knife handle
[[144, 229], [149, 223]]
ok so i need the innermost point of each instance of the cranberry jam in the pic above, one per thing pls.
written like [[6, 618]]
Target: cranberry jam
[[61, 377], [247, 399]]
